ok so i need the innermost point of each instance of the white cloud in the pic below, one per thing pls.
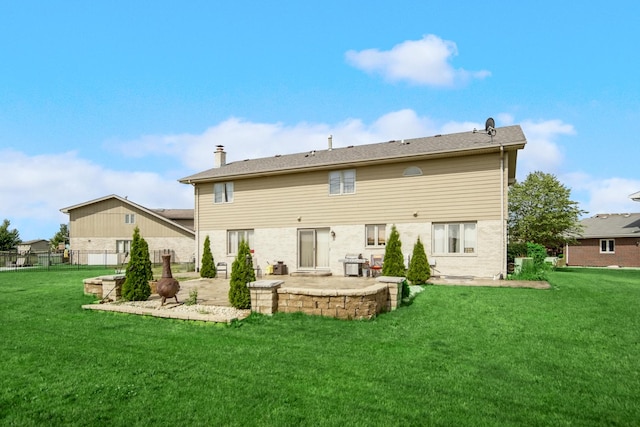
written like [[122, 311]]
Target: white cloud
[[43, 184], [542, 152], [602, 195], [423, 62]]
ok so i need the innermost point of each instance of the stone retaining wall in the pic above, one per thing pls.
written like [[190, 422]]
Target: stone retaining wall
[[103, 286], [269, 297]]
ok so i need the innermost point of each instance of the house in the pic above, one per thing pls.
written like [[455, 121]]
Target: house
[[104, 228], [309, 210], [38, 245], [607, 239]]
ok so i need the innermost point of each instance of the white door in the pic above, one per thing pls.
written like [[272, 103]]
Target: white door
[[313, 248]]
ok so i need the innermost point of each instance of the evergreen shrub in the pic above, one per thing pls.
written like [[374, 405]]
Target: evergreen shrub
[[241, 274], [393, 264], [419, 269], [207, 266], [138, 273]]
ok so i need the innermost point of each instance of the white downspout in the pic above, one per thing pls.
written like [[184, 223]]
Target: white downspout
[[196, 226], [503, 252]]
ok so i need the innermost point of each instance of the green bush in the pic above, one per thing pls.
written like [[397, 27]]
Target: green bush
[[241, 274], [419, 269], [208, 266], [536, 269], [136, 286], [393, 264]]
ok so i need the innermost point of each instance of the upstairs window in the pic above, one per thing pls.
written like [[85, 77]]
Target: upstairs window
[[376, 234], [223, 192], [129, 218], [607, 246], [342, 182], [455, 238]]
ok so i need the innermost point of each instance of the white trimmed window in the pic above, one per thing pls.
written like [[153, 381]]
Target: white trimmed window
[[607, 246], [223, 192], [342, 182], [376, 234], [123, 246], [455, 238], [234, 237], [129, 218]]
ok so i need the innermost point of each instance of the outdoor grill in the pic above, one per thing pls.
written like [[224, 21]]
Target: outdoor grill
[[352, 264]]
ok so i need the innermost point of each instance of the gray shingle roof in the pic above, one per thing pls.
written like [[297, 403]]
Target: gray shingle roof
[[510, 137], [611, 225]]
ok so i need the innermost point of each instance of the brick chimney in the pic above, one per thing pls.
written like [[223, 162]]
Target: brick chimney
[[219, 157]]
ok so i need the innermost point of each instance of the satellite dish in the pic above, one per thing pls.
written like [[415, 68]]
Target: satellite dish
[[490, 126]]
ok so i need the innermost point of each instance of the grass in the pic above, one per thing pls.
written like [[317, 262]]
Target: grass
[[455, 356]]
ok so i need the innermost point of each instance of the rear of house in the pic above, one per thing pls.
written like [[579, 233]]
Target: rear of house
[[310, 210], [607, 240]]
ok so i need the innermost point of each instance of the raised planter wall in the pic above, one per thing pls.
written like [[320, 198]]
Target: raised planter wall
[[269, 297]]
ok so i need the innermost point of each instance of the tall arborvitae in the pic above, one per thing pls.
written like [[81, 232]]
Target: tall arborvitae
[[393, 264], [419, 269], [207, 267], [241, 274], [136, 286]]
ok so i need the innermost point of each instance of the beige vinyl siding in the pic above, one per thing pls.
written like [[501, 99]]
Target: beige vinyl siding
[[454, 189], [107, 219]]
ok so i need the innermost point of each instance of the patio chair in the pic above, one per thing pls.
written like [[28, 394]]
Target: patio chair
[[220, 267], [376, 265]]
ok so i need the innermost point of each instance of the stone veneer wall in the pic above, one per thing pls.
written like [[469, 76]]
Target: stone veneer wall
[[269, 297]]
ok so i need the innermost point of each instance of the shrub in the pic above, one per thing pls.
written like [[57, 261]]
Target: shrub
[[193, 297], [393, 264], [207, 267], [419, 269], [536, 269], [241, 274], [136, 286]]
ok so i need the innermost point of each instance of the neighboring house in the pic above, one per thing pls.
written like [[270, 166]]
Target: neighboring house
[[106, 224], [309, 210], [38, 245], [607, 239]]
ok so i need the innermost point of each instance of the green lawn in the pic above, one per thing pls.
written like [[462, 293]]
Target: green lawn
[[459, 356]]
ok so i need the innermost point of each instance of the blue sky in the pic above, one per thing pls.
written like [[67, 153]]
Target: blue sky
[[127, 97]]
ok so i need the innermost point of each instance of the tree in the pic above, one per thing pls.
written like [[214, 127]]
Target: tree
[[136, 285], [393, 264], [62, 236], [9, 239], [207, 267], [540, 211], [241, 274], [419, 269]]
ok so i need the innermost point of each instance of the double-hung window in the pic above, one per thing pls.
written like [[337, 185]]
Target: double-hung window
[[607, 246], [223, 192], [376, 234], [129, 218], [234, 237], [342, 182], [123, 246], [455, 238]]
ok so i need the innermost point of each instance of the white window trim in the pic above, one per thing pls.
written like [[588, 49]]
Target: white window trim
[[376, 230], [342, 181], [234, 251], [608, 246], [446, 242], [129, 218], [226, 192]]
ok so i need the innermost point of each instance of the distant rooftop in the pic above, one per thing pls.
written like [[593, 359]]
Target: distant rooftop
[[611, 225]]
